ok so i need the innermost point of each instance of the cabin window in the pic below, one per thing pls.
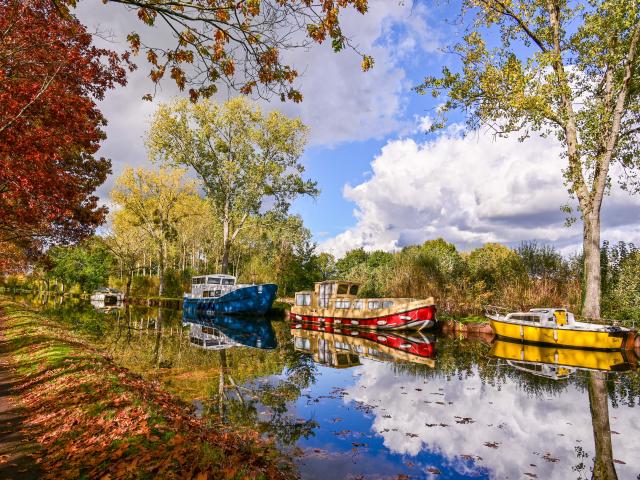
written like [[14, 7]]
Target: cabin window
[[373, 304], [343, 289], [217, 293], [387, 304], [205, 294], [340, 303], [228, 281], [526, 318], [303, 299], [353, 290], [358, 304], [325, 294], [208, 330], [196, 341], [213, 281]]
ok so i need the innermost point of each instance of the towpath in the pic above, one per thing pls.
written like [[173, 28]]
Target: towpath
[[17, 453]]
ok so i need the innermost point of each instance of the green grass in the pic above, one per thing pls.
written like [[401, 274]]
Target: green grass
[[475, 319]]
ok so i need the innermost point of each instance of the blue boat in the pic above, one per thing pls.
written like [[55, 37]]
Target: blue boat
[[221, 295], [221, 332]]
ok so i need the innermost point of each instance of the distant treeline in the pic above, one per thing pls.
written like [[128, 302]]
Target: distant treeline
[[281, 251]]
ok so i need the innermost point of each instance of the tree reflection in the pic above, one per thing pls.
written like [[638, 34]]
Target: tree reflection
[[264, 405], [603, 467]]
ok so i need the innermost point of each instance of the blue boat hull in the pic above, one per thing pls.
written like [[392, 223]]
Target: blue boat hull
[[251, 300]]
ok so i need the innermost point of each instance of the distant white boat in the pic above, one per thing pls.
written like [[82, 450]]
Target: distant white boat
[[107, 296]]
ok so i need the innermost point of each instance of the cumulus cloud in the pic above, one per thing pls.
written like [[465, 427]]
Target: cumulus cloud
[[471, 190]]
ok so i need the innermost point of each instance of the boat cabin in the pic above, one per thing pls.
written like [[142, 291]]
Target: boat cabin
[[339, 294], [211, 286], [545, 317]]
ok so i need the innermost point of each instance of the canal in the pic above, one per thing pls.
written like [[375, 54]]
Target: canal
[[362, 405]]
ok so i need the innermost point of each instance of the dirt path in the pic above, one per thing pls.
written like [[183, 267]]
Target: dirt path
[[17, 453]]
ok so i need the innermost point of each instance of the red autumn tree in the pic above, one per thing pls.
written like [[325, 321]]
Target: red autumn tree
[[50, 127]]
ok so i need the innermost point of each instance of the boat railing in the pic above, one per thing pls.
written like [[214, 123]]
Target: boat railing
[[495, 310]]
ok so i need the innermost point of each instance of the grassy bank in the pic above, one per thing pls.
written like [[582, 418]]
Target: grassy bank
[[94, 419]]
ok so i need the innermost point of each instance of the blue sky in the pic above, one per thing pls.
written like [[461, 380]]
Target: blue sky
[[384, 182]]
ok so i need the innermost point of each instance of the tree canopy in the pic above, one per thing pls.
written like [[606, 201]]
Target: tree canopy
[[237, 44], [159, 203], [248, 161], [50, 127]]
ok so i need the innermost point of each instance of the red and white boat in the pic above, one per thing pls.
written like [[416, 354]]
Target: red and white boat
[[336, 303]]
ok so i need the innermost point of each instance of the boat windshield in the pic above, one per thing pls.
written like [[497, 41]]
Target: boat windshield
[[525, 317]]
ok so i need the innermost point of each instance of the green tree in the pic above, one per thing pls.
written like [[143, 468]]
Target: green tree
[[87, 265], [159, 203], [127, 242], [626, 292], [325, 265], [561, 68], [247, 161], [495, 264], [541, 261], [351, 259], [441, 260]]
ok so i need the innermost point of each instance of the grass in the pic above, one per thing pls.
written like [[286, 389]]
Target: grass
[[95, 419], [467, 319]]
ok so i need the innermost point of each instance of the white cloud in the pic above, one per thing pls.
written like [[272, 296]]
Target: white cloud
[[470, 191]]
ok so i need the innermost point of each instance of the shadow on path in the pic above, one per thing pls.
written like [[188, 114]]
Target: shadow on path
[[17, 453]]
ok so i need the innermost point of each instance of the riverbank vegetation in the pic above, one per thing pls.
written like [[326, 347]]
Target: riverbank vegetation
[[94, 419], [279, 249]]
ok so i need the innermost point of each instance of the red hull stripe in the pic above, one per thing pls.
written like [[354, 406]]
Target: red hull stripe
[[417, 318]]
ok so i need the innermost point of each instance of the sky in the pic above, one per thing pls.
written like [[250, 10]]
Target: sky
[[385, 182]]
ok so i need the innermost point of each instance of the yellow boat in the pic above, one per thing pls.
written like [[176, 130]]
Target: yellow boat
[[557, 326], [558, 363]]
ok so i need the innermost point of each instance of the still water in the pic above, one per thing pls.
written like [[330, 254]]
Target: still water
[[362, 405]]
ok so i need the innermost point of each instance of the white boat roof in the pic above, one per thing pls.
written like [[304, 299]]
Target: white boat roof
[[217, 275]]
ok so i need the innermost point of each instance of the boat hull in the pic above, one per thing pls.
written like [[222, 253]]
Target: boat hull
[[575, 338], [250, 300], [558, 356], [410, 319]]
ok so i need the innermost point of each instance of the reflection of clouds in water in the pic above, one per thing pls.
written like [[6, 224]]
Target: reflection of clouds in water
[[524, 427]]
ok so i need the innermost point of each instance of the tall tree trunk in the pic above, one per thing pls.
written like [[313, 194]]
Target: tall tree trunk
[[161, 268], [226, 242], [127, 291], [591, 246], [603, 467]]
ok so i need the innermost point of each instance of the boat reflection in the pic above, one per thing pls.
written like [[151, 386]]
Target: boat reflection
[[107, 306], [559, 363], [217, 333], [343, 347]]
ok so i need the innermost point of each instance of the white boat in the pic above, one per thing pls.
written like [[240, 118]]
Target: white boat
[[107, 296]]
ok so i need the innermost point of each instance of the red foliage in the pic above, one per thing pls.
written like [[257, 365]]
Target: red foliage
[[50, 127]]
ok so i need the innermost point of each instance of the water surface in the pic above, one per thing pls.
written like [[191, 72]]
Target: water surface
[[362, 405]]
